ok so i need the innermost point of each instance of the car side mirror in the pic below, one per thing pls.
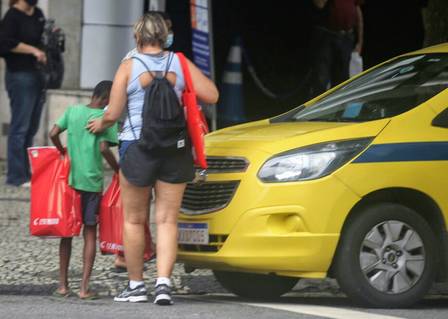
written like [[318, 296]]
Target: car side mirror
[[441, 120]]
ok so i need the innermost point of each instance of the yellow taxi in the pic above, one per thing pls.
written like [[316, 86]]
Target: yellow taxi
[[353, 185]]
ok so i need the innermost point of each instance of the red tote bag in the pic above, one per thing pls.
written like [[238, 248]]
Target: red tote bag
[[196, 122], [55, 206], [111, 223]]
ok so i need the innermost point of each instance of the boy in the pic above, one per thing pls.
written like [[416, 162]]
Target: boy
[[86, 176]]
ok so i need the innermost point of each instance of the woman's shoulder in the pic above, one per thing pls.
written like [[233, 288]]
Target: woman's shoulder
[[38, 12], [11, 14], [14, 13]]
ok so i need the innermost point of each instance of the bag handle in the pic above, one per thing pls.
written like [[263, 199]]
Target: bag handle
[[186, 71]]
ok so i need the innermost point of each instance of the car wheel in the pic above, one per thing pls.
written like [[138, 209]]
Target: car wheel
[[255, 285], [386, 257]]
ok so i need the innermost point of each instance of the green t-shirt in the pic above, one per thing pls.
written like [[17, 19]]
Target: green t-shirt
[[86, 166]]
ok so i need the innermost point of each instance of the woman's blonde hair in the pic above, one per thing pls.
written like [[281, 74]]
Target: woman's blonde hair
[[151, 29]]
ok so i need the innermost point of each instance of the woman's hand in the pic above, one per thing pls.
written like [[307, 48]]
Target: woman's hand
[[40, 56], [24, 48], [96, 126]]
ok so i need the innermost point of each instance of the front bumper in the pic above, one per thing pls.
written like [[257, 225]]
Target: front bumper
[[289, 229]]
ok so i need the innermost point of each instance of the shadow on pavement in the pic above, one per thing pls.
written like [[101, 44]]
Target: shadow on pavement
[[27, 290]]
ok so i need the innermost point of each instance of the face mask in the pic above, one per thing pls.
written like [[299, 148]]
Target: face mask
[[31, 2], [169, 40]]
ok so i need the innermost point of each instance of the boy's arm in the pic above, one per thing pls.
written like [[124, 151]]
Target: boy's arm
[[54, 136], [109, 156]]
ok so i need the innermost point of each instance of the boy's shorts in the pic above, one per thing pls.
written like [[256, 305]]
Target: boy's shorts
[[142, 168], [90, 204]]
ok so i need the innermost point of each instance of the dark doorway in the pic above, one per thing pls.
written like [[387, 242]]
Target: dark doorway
[[275, 41]]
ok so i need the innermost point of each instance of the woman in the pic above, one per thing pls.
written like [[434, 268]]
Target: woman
[[22, 25], [167, 174]]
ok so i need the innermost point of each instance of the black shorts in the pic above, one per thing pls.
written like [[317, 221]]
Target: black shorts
[[143, 168], [90, 204]]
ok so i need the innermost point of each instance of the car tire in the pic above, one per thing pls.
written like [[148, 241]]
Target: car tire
[[386, 257], [256, 286]]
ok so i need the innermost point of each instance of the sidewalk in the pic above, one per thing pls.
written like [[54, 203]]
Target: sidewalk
[[29, 265]]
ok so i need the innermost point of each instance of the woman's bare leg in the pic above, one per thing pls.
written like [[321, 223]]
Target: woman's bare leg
[[168, 201], [136, 207]]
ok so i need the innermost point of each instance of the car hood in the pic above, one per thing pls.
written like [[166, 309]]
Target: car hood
[[277, 137]]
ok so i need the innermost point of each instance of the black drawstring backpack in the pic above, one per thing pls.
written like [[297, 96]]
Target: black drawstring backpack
[[163, 120]]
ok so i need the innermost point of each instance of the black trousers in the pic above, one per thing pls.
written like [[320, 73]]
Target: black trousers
[[330, 59]]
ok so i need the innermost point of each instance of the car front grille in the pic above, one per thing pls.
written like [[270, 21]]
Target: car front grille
[[222, 164], [207, 197], [214, 245]]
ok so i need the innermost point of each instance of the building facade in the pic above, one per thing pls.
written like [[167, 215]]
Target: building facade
[[98, 34]]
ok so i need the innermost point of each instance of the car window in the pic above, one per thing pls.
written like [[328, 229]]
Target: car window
[[386, 91]]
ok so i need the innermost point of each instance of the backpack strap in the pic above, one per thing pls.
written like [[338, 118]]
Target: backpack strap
[[144, 64], [130, 122], [168, 63], [127, 106]]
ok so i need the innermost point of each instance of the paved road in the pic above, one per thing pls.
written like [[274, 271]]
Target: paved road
[[29, 268], [35, 307], [214, 306]]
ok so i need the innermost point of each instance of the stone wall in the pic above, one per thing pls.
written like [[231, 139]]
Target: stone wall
[[68, 16]]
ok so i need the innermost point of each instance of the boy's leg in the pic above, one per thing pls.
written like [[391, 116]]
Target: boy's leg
[[65, 250], [90, 206], [88, 258]]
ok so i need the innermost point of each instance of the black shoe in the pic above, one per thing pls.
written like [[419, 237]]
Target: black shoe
[[163, 295], [139, 294]]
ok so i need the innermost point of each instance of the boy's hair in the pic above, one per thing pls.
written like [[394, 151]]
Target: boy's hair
[[102, 89]]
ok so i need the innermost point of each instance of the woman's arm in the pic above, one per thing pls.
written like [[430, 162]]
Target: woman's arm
[[206, 90], [10, 42], [117, 101], [24, 48]]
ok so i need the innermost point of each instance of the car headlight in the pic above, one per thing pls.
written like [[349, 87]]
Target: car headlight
[[311, 162]]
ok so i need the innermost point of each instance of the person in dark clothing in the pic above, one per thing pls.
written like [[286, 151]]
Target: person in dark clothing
[[22, 28], [337, 32]]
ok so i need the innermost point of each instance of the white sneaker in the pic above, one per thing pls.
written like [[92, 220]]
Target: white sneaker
[[26, 185], [139, 294]]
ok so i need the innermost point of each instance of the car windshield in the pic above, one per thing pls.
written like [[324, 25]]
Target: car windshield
[[389, 90]]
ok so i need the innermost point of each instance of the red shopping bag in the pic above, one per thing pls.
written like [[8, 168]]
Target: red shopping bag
[[196, 122], [111, 223], [55, 206]]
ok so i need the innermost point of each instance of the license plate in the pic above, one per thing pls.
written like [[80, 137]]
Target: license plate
[[193, 233]]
